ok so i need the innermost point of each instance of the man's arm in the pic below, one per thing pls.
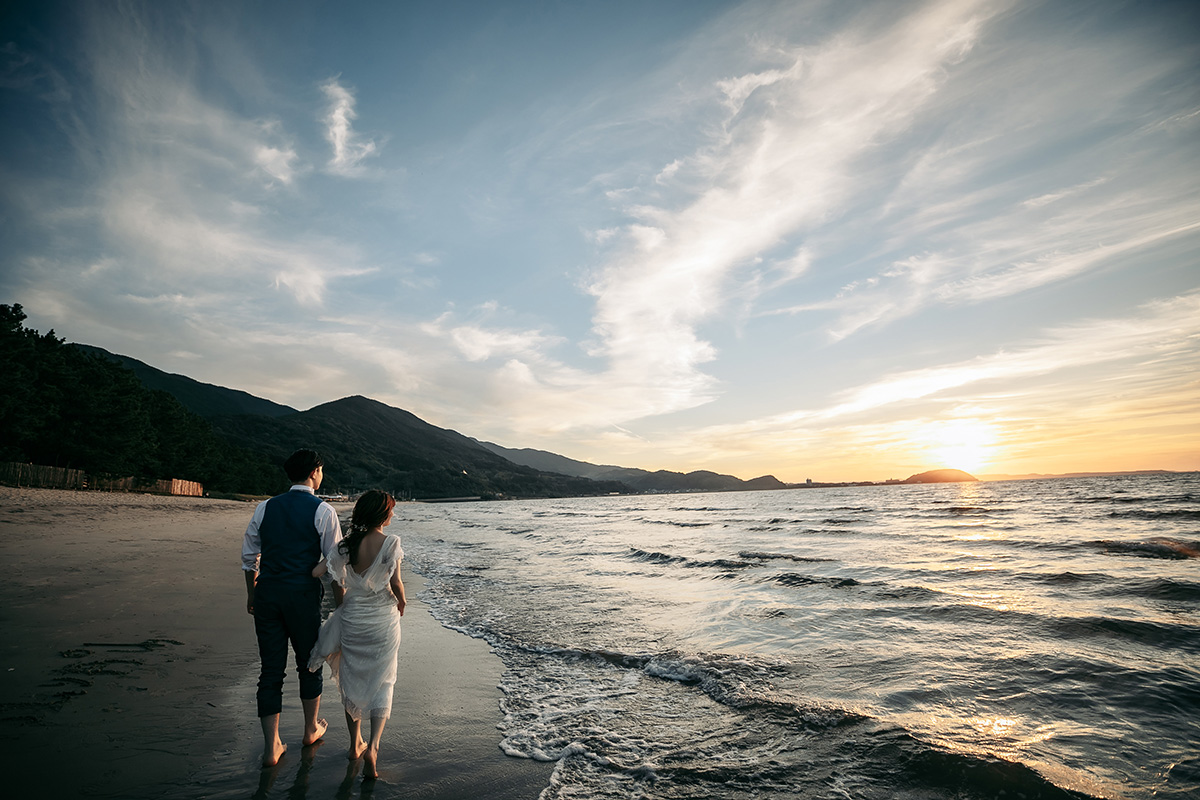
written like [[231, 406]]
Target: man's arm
[[251, 548], [251, 577]]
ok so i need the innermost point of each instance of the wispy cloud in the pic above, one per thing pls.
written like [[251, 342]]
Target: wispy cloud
[[349, 148], [1076, 184], [1164, 330], [782, 159]]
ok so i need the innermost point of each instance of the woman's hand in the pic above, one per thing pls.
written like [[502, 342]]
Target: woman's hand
[[401, 602]]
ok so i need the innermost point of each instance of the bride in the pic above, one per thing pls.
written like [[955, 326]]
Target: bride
[[365, 626]]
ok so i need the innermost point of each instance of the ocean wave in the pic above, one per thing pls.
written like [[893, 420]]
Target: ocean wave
[[832, 532], [739, 682], [796, 579], [1157, 547], [1176, 636], [610, 738], [654, 521], [1184, 638], [1069, 578], [1103, 584], [923, 593], [652, 557], [786, 556], [561, 513], [1165, 589], [1159, 514]]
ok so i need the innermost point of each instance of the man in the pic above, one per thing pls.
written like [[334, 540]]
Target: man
[[288, 536]]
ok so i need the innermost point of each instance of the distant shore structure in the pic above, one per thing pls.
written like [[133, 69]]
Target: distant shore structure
[[36, 476]]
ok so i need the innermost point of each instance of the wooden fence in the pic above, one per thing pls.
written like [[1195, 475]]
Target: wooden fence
[[41, 477]]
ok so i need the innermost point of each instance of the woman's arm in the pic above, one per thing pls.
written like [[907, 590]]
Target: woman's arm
[[339, 594], [398, 590]]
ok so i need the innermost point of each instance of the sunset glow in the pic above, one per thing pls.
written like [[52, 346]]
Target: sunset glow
[[963, 444]]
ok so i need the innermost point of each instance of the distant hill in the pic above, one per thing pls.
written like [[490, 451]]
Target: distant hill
[[367, 444], [640, 479], [941, 476], [552, 462], [203, 399]]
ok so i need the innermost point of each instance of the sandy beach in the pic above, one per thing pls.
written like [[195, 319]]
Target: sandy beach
[[129, 668]]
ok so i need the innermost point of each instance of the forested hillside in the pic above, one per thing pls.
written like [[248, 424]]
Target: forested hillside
[[64, 407], [80, 407], [370, 444]]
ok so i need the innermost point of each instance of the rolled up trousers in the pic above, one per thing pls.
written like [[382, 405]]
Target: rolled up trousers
[[286, 612]]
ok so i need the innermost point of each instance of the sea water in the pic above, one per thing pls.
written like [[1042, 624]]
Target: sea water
[[1035, 638]]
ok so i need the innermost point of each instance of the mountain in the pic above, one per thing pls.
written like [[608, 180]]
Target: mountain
[[203, 399], [697, 481], [552, 462], [640, 479], [940, 476], [367, 444]]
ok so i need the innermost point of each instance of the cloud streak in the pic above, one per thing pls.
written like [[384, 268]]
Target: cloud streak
[[1164, 331], [349, 148], [782, 159]]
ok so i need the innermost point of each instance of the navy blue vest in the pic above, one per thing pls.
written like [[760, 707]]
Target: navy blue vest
[[291, 544]]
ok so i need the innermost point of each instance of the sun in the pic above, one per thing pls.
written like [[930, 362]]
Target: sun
[[965, 444]]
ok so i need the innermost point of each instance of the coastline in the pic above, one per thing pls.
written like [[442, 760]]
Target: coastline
[[129, 668]]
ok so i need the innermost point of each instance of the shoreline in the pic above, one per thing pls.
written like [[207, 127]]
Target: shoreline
[[129, 645]]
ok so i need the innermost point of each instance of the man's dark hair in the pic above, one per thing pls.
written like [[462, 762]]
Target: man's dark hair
[[301, 464]]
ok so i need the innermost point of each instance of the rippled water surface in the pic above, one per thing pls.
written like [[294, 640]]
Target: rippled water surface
[[1036, 638]]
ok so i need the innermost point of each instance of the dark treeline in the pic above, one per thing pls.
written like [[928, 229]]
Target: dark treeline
[[63, 407]]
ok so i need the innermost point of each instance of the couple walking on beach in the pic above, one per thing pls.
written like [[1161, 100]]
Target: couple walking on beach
[[292, 540]]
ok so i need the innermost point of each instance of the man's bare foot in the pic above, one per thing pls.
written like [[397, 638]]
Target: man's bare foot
[[370, 756], [316, 734], [272, 754], [356, 749]]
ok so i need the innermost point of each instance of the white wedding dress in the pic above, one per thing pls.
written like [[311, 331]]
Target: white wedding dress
[[361, 638]]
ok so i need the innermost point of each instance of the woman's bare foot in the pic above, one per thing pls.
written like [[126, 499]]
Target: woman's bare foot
[[370, 756], [316, 734], [356, 749], [272, 754]]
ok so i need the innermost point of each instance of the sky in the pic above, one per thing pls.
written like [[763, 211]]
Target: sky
[[821, 240]]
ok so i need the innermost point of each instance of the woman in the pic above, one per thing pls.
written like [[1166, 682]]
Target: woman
[[365, 626]]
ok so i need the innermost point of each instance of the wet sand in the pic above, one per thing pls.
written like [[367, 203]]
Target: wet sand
[[128, 667]]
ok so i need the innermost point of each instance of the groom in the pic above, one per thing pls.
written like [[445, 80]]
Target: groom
[[287, 536]]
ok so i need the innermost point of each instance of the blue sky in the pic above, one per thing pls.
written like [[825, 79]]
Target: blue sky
[[828, 240]]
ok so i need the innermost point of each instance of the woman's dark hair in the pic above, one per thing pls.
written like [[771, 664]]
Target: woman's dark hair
[[301, 464], [369, 512]]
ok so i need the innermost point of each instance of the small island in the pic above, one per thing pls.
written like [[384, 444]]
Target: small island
[[941, 476]]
